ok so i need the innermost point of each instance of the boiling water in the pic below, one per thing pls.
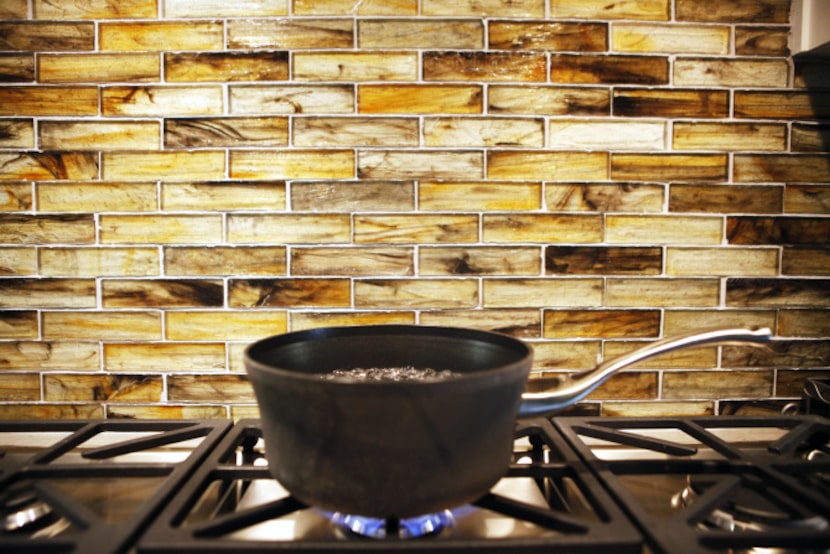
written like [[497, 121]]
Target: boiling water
[[406, 373]]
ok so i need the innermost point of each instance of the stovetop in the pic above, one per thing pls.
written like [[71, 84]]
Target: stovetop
[[575, 484]]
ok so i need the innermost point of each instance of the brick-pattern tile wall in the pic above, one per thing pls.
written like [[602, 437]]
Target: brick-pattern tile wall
[[181, 177]]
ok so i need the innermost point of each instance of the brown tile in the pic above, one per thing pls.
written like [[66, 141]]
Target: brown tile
[[717, 384], [638, 102], [92, 196], [420, 164], [669, 167], [289, 99], [118, 411], [665, 229], [420, 33], [120, 325], [16, 197], [353, 196], [487, 66], [99, 262], [223, 196], [225, 260], [14, 9], [484, 132], [547, 165], [361, 261], [791, 382], [17, 68], [313, 320], [805, 261], [630, 385], [600, 323], [562, 355], [354, 66], [811, 199], [94, 9], [618, 197], [658, 409], [161, 100], [293, 228], [47, 229], [48, 356], [542, 228], [415, 228], [222, 132], [292, 164], [222, 325], [317, 131], [226, 66], [98, 68], [643, 9], [289, 33], [16, 261], [19, 324], [348, 7], [16, 387], [143, 36], [49, 101], [809, 137], [714, 198], [729, 136], [736, 11], [479, 196], [541, 292], [419, 99], [162, 293], [809, 168], [763, 104], [478, 260], [782, 292], [548, 100], [519, 8], [757, 230], [160, 229], [604, 134], [648, 38], [289, 293], [548, 35], [51, 411], [170, 165], [600, 260], [156, 356], [609, 69], [781, 353], [38, 166], [804, 323], [122, 135], [519, 323], [209, 388], [676, 322], [47, 293], [415, 293], [751, 407], [761, 41], [220, 8], [17, 133], [722, 261], [662, 292]]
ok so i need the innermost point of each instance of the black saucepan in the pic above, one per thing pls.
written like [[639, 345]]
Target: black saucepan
[[398, 449]]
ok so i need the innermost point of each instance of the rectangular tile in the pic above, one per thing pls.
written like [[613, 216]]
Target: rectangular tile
[[19, 324], [316, 131], [162, 293], [289, 228], [290, 33], [225, 260], [349, 7], [471, 65], [714, 198], [353, 196], [47, 293], [415, 293], [789, 104], [144, 36], [563, 356], [219, 8], [669, 167], [161, 100], [415, 228], [810, 168], [602, 134], [171, 166], [760, 230], [39, 166], [670, 39], [49, 356], [49, 101], [94, 9], [14, 9], [92, 325], [642, 9], [83, 196], [516, 8], [17, 68], [420, 33], [292, 164], [541, 292], [17, 197], [675, 102], [717, 385], [223, 196], [187, 67], [657, 292], [356, 66], [16, 261], [121, 135], [209, 388], [542, 228], [98, 68], [47, 229], [617, 69], [679, 321], [761, 41], [601, 323], [224, 325], [811, 199], [419, 164], [43, 410], [479, 260], [516, 322], [99, 262], [361, 261], [729, 136], [760, 11], [289, 293], [419, 99], [707, 72], [60, 387], [17, 133], [663, 229], [312, 320], [289, 99], [547, 165], [483, 132], [602, 260], [20, 387], [548, 35], [805, 261], [160, 229], [781, 292], [722, 261], [808, 137], [33, 36], [617, 197], [785, 353], [479, 196], [548, 100], [808, 322]]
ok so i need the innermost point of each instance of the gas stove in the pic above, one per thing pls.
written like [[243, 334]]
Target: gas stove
[[575, 484]]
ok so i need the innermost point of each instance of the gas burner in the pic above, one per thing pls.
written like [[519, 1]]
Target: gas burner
[[430, 525], [22, 508]]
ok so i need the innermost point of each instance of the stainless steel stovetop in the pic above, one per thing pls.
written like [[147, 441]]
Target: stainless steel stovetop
[[655, 485]]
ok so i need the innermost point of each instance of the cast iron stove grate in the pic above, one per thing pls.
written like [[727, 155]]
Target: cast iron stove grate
[[213, 511], [715, 484], [92, 486]]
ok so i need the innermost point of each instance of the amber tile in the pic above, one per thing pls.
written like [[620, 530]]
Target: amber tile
[[49, 101], [94, 9], [643, 9], [419, 99], [225, 260], [225, 66], [353, 196], [707, 72], [806, 261], [781, 353], [420, 33], [290, 33], [14, 9], [629, 385], [685, 358], [519, 8], [781, 292], [220, 8], [548, 100], [18, 261], [49, 356], [516, 322], [222, 325], [809, 322], [547, 165], [562, 355], [17, 68], [19, 324], [16, 197], [470, 65], [729, 136], [356, 66], [92, 325], [478, 131], [47, 229], [658, 409], [479, 195], [38, 166], [600, 323], [791, 382], [348, 7], [478, 260], [289, 293], [420, 164], [809, 137], [99, 262], [618, 197], [137, 36], [51, 411], [615, 69], [670, 39], [639, 102], [160, 229], [223, 196], [297, 228], [548, 35], [209, 388], [159, 100], [91, 196], [67, 387], [811, 199], [355, 131], [17, 133], [724, 199], [415, 293], [292, 164], [676, 322], [657, 292], [362, 261], [415, 228], [541, 292], [542, 228], [602, 260], [809, 168], [289, 99], [762, 11], [312, 320], [722, 261], [172, 166], [663, 229], [602, 134], [156, 412], [98, 68], [756, 230], [668, 167], [761, 41], [20, 386], [122, 135], [762, 104], [162, 293], [717, 384]]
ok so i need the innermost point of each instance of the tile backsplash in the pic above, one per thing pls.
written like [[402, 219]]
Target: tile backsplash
[[180, 178]]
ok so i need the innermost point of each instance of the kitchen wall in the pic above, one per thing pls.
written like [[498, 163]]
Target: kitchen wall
[[181, 177]]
